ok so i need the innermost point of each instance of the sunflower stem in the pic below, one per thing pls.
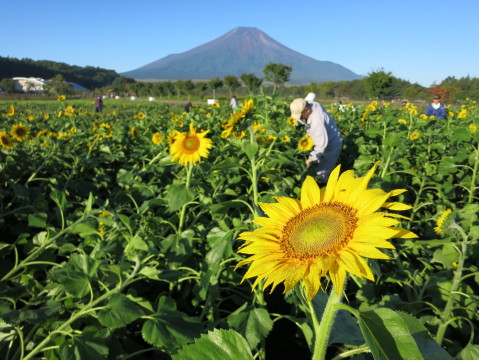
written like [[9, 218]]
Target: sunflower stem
[[183, 208], [322, 329], [474, 174], [456, 282]]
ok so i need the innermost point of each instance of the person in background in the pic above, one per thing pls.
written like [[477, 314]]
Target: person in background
[[324, 133], [187, 107], [436, 108], [234, 103], [98, 104]]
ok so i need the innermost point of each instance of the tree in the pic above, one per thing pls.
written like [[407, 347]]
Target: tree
[[58, 86], [8, 85], [379, 84], [251, 81], [278, 74], [118, 85], [201, 87], [232, 83], [215, 84]]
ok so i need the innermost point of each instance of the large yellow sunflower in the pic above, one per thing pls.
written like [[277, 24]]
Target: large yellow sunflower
[[188, 148], [19, 132], [327, 231]]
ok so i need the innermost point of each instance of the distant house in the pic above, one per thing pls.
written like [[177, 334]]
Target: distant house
[[30, 84], [36, 85]]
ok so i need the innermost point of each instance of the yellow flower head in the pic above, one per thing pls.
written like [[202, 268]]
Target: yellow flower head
[[73, 130], [462, 114], [292, 121], [189, 148], [414, 135], [19, 132], [61, 98], [285, 139], [423, 116], [305, 143], [46, 116], [11, 110], [141, 115], [5, 141], [172, 136], [402, 121], [248, 106], [157, 138], [472, 128], [134, 132], [238, 134], [443, 221], [327, 232]]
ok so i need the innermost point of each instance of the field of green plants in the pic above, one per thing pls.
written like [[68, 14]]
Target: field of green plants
[[114, 244]]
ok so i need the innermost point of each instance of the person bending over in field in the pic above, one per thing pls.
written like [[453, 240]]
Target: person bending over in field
[[323, 132]]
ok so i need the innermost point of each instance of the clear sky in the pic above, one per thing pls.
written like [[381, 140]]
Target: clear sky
[[421, 41]]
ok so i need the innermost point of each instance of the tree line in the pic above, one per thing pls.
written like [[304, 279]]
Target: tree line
[[379, 84]]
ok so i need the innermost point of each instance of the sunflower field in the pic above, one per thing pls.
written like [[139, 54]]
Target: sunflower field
[[145, 232]]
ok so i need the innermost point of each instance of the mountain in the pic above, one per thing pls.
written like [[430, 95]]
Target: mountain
[[242, 50]]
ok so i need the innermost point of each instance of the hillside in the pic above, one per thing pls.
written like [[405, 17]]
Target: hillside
[[89, 76]]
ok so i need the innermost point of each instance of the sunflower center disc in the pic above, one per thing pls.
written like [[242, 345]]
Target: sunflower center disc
[[191, 143], [319, 231]]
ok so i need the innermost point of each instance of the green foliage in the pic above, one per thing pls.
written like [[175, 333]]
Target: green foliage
[[109, 249], [278, 74]]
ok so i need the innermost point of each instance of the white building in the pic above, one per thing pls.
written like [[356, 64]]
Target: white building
[[30, 84]]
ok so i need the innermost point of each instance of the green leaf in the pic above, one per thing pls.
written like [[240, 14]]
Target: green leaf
[[169, 328], [470, 352], [37, 220], [217, 345], [119, 312], [388, 336], [220, 246], [446, 256], [253, 323], [345, 328], [85, 228], [91, 344], [178, 195], [429, 348], [250, 149]]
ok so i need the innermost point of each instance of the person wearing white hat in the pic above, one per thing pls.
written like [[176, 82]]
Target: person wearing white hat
[[324, 133]]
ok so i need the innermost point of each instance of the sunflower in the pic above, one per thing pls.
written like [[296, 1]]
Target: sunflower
[[157, 138], [442, 221], [61, 98], [414, 135], [5, 141], [11, 110], [188, 148], [305, 143], [472, 128], [172, 136], [292, 121], [327, 231], [134, 132], [19, 132], [141, 115], [402, 121]]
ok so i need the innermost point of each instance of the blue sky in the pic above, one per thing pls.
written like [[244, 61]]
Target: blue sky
[[419, 41]]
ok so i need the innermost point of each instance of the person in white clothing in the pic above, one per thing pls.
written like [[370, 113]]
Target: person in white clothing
[[323, 132], [233, 103]]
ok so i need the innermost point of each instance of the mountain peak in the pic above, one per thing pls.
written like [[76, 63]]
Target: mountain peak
[[241, 50]]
